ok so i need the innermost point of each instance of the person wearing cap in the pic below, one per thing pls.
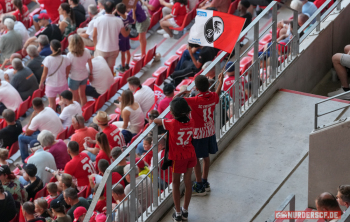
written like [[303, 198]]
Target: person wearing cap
[[79, 214], [69, 108], [28, 211], [242, 8], [11, 42], [58, 211], [168, 91], [51, 31]]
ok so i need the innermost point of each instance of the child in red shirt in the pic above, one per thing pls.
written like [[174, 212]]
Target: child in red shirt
[[52, 190], [204, 139], [147, 144], [175, 19], [181, 152]]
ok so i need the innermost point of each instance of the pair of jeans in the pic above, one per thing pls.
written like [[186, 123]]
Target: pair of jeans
[[188, 69], [23, 142], [186, 57]]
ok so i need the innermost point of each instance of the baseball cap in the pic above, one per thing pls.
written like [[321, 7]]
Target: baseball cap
[[141, 164], [228, 65], [101, 118], [55, 204], [100, 218], [43, 16], [78, 212], [168, 89]]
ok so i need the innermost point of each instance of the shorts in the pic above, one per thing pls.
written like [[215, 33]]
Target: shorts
[[205, 146], [124, 44], [345, 60], [173, 23], [74, 84], [181, 166], [110, 57], [143, 26], [52, 91]]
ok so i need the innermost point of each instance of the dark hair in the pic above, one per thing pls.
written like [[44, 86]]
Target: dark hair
[[109, 6], [66, 7], [103, 165], [75, 2], [248, 86], [134, 81], [66, 94], [52, 187], [327, 200], [9, 115], [201, 83], [192, 45], [38, 102], [31, 170], [2, 190], [56, 46], [153, 114], [5, 170], [344, 190], [29, 207], [184, 2], [121, 8], [73, 146], [116, 152], [127, 99], [103, 190], [71, 193], [102, 139], [19, 5], [148, 139], [119, 189], [179, 107], [94, 125]]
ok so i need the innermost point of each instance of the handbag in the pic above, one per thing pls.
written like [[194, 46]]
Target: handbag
[[56, 69]]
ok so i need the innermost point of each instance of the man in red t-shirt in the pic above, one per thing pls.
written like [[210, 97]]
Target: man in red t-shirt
[[81, 132], [80, 166], [168, 91], [204, 140]]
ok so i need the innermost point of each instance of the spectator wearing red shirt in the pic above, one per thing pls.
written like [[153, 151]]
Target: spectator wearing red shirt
[[204, 140], [80, 166], [168, 91], [81, 132], [181, 152], [147, 144], [175, 19], [101, 203], [105, 150], [21, 13]]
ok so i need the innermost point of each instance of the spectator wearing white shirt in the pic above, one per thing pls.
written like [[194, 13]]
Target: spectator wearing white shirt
[[101, 78], [69, 108], [87, 4], [86, 33], [144, 95], [100, 4], [9, 97], [42, 118], [106, 35]]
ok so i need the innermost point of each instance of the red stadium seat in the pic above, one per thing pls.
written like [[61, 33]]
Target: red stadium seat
[[233, 7], [138, 66], [64, 44], [171, 68], [23, 107], [100, 101], [53, 179], [181, 49], [55, 21], [114, 117], [150, 82], [82, 193], [70, 131], [160, 74], [135, 137], [88, 110], [172, 59], [149, 55], [155, 18], [2, 123], [15, 219], [91, 48], [124, 77], [40, 193], [187, 20], [113, 89], [14, 148], [37, 93], [245, 63], [251, 52], [21, 216], [184, 82], [85, 23], [62, 135], [266, 39], [200, 72]]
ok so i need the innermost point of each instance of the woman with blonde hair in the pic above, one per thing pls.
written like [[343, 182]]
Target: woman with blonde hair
[[105, 149], [79, 74], [133, 117], [55, 73], [67, 25]]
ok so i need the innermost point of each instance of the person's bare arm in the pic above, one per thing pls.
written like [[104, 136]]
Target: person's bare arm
[[68, 70], [165, 4], [43, 78], [90, 67], [126, 118], [125, 32], [195, 62], [27, 43], [220, 80], [62, 26], [158, 121], [94, 36], [29, 132], [149, 6]]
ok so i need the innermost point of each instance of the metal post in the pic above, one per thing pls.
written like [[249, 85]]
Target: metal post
[[217, 112], [318, 20], [133, 187], [155, 166], [236, 99], [292, 208], [273, 50], [109, 196], [295, 49], [316, 115], [255, 76]]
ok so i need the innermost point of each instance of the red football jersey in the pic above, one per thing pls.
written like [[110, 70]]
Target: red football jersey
[[80, 167], [114, 136], [24, 17], [7, 6], [101, 155], [228, 83], [203, 107], [180, 139]]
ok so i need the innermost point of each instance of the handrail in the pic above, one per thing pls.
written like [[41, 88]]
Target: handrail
[[290, 200]]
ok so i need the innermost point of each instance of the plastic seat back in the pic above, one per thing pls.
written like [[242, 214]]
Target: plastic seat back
[[100, 101], [23, 107], [150, 54]]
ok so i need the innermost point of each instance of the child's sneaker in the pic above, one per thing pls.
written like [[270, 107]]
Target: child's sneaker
[[198, 191], [177, 218], [206, 186], [127, 67], [120, 68], [184, 215]]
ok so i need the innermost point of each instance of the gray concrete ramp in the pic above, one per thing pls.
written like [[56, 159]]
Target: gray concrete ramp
[[257, 161]]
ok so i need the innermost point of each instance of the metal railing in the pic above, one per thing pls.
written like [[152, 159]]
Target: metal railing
[[149, 191], [290, 200]]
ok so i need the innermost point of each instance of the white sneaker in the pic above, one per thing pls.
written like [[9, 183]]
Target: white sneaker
[[340, 91], [167, 36], [161, 31]]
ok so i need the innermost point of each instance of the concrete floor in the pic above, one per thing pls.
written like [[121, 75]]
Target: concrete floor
[[245, 175]]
